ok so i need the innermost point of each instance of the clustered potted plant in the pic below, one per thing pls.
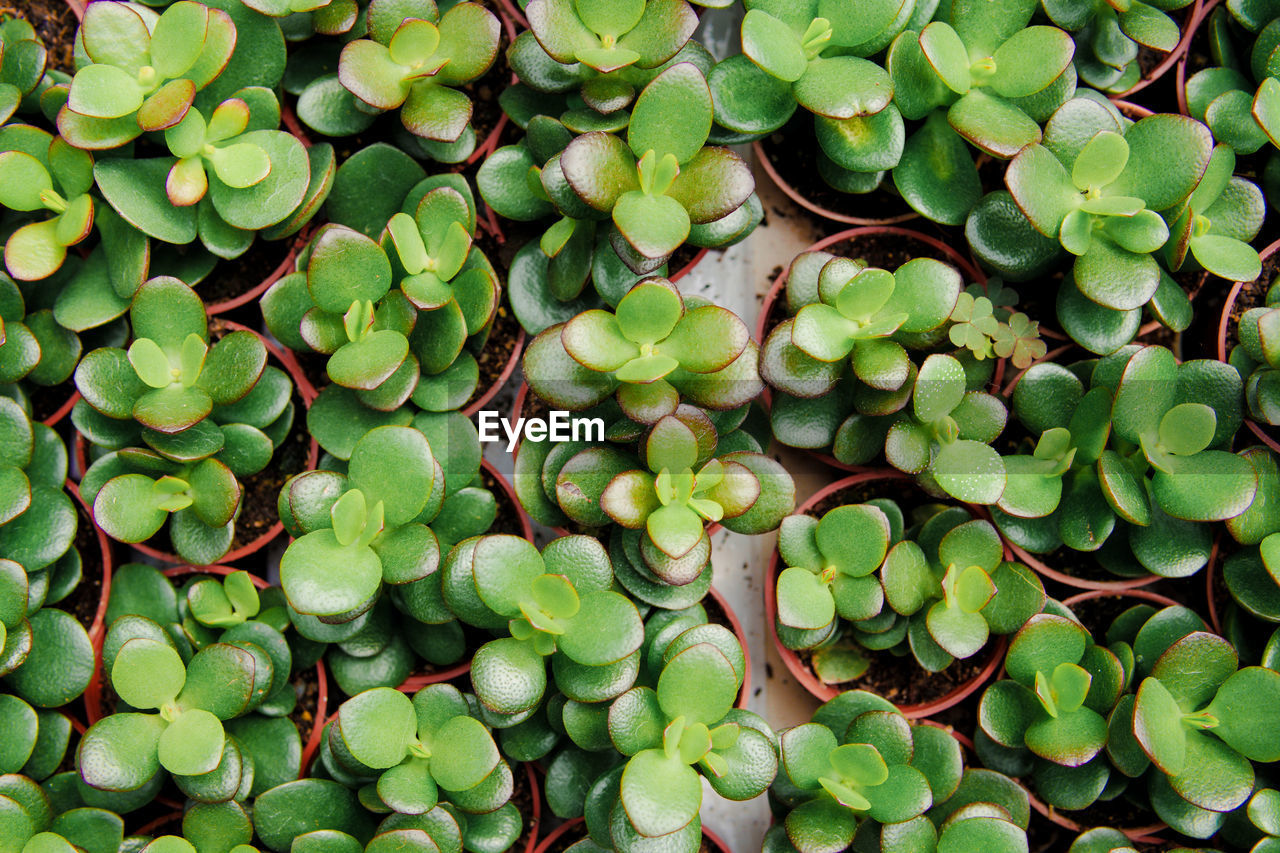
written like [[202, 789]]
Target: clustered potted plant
[[264, 261]]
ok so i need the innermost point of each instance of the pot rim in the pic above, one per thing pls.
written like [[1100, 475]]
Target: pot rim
[[1180, 72], [796, 196], [508, 369], [744, 692], [805, 674], [285, 267], [1039, 567], [1174, 57]]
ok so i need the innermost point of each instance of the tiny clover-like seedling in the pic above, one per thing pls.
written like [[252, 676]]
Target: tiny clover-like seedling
[[1108, 38], [831, 566], [415, 66], [37, 522], [557, 605], [1054, 703], [170, 380], [684, 729], [662, 179], [225, 604], [1190, 477], [417, 748], [1223, 214], [122, 752], [359, 530], [685, 486], [23, 59], [144, 70], [134, 492], [982, 329], [44, 175], [859, 760], [1019, 341], [654, 346], [214, 144], [1198, 718], [980, 63], [607, 35], [947, 432]]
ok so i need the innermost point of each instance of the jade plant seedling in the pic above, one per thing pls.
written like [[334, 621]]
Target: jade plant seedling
[[1055, 703], [656, 349], [45, 176], [557, 605], [663, 179], [1198, 717], [223, 604], [414, 64], [685, 730], [144, 70], [1108, 39], [1140, 450], [185, 735], [607, 37], [357, 530], [419, 751], [1223, 214], [860, 760], [1238, 95]]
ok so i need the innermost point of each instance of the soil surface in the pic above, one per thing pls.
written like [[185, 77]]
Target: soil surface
[[55, 24], [903, 682], [83, 601], [231, 278], [261, 491], [499, 346], [307, 686], [522, 799]]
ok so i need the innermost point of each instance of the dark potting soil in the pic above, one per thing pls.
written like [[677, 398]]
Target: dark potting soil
[[232, 278], [522, 799], [508, 520], [306, 685], [1252, 295], [903, 682], [47, 399], [793, 152], [1097, 614], [261, 491], [486, 112], [902, 491], [961, 717], [498, 349], [55, 24]]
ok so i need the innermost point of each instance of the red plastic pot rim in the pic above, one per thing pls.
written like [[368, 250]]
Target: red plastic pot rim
[[498, 384], [796, 196], [1202, 8], [1175, 56], [1140, 834], [805, 675], [570, 825], [252, 294], [744, 692], [1040, 568], [962, 263]]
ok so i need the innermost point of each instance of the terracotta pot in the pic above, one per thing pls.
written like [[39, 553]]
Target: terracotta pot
[[777, 293], [414, 683], [290, 365], [744, 693], [282, 269], [1210, 589], [534, 819], [499, 383], [805, 675], [796, 196], [1140, 834], [77, 8], [293, 124], [512, 16], [1039, 567], [575, 828], [1190, 31], [1177, 56]]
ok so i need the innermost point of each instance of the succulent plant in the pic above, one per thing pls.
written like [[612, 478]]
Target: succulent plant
[[860, 760], [663, 179], [38, 522], [557, 605], [1256, 357], [1055, 705], [23, 57], [657, 349], [185, 736], [144, 70], [1138, 453], [420, 750], [1197, 717], [1108, 40], [33, 346], [686, 728], [413, 63], [44, 175]]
